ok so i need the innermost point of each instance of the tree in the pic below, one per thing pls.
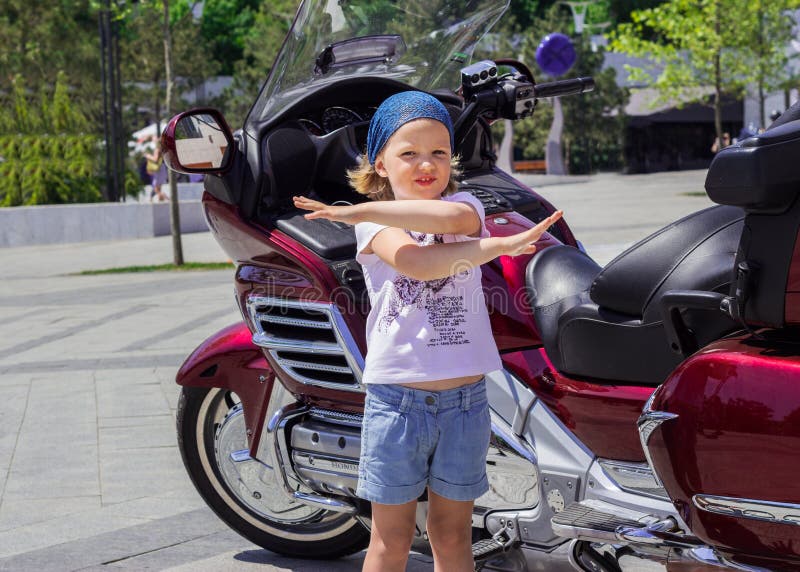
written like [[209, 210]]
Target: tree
[[766, 32], [621, 9], [42, 39], [47, 151], [698, 43], [594, 123], [261, 45], [162, 42], [225, 26], [143, 62]]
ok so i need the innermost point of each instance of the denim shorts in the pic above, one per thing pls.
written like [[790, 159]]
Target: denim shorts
[[412, 438]]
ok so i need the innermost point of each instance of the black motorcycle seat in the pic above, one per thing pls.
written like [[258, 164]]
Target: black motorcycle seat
[[606, 323], [629, 283]]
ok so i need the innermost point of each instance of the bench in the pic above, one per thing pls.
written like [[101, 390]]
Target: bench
[[534, 165]]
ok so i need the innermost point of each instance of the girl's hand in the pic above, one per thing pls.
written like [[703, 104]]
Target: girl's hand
[[345, 214], [522, 243]]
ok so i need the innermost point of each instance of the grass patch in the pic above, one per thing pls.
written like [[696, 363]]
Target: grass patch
[[694, 194], [187, 266]]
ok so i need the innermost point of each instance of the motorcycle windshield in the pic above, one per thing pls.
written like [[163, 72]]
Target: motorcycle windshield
[[422, 43]]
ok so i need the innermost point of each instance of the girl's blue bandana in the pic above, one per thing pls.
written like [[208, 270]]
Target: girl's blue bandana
[[398, 110]]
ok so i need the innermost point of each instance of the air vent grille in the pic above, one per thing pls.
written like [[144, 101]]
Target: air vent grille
[[308, 340]]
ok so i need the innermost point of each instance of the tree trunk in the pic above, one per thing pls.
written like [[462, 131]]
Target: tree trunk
[[761, 71], [718, 80], [174, 210], [157, 102]]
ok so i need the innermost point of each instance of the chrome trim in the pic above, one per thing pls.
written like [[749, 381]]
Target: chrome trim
[[648, 422], [325, 503], [635, 478], [338, 417], [607, 523], [319, 438], [345, 344], [600, 486], [606, 519], [303, 497], [292, 321], [343, 464], [648, 405], [274, 432], [329, 475], [275, 435], [292, 363], [241, 456], [662, 534], [279, 344], [767, 511]]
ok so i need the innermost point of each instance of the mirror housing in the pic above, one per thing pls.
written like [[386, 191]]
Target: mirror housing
[[198, 141]]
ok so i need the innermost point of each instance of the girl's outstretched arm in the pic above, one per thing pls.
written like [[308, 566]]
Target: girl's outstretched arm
[[435, 261], [429, 216]]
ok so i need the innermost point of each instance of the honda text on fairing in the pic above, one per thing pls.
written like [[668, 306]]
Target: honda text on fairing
[[646, 412]]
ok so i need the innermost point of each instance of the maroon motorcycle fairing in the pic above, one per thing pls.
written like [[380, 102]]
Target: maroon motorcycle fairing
[[229, 360], [603, 416], [736, 435]]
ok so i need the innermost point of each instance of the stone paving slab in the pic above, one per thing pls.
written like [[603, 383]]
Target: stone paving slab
[[99, 546], [90, 473], [257, 560]]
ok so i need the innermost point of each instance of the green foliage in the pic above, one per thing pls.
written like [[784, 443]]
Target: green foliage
[[46, 155], [697, 43], [766, 32], [142, 47], [594, 123], [261, 45], [523, 12], [39, 39], [225, 26], [48, 169], [726, 45], [621, 10]]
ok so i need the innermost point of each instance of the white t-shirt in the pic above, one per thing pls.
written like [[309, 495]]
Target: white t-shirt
[[425, 330]]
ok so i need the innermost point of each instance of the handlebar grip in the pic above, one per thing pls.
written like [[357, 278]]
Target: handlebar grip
[[564, 87]]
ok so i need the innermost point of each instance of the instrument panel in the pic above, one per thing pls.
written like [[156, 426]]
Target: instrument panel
[[335, 117]]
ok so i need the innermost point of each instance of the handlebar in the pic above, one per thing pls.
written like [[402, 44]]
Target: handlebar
[[564, 87], [491, 95]]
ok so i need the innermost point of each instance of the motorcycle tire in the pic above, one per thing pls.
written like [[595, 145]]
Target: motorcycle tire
[[272, 520]]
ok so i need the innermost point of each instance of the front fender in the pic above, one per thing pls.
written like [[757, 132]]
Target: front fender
[[229, 360]]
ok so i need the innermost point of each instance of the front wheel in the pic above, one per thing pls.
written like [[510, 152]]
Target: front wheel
[[245, 493]]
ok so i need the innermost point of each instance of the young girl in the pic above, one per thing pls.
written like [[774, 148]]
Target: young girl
[[426, 418]]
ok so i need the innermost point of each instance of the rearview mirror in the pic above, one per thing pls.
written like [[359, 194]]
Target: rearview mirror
[[197, 141]]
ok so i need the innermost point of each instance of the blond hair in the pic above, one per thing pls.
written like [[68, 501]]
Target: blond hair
[[365, 180]]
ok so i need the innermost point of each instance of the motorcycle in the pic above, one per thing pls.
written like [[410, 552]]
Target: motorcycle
[[647, 413]]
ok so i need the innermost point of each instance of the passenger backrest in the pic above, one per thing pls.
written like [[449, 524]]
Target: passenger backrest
[[631, 283], [762, 175]]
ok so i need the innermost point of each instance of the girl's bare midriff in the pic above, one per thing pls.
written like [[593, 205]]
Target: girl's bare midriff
[[443, 384]]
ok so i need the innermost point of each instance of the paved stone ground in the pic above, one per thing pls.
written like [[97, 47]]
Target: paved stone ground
[[90, 474]]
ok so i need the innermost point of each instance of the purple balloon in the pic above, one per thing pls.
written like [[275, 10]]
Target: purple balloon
[[556, 54]]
